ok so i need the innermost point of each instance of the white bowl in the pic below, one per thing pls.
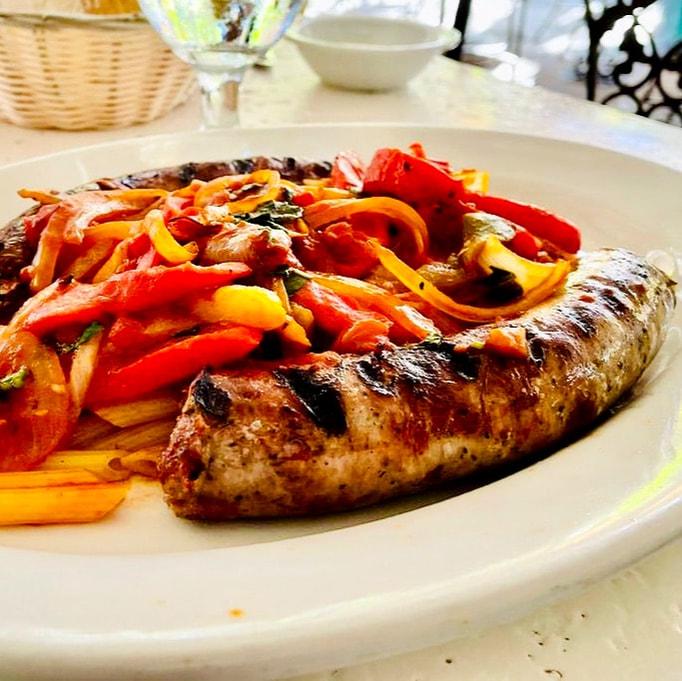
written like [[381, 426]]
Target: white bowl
[[361, 52]]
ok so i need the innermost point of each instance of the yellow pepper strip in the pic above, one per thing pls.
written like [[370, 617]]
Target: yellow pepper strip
[[473, 180], [251, 306], [116, 229], [303, 316], [528, 273], [140, 411], [134, 195], [312, 182], [326, 212], [294, 336], [87, 261], [39, 196], [318, 191], [469, 313], [112, 264], [164, 242], [335, 193], [292, 186], [301, 229], [190, 190], [64, 504], [372, 296], [269, 181]]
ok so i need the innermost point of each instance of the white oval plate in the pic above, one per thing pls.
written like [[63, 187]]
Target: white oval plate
[[143, 595]]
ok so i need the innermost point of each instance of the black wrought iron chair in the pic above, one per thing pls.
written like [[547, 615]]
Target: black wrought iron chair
[[461, 21], [649, 83]]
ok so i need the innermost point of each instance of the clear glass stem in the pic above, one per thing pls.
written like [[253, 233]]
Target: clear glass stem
[[220, 97]]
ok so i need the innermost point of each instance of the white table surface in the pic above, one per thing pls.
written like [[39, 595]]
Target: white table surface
[[625, 628]]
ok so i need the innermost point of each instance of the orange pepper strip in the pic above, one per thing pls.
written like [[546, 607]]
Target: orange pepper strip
[[327, 211], [269, 180], [49, 248], [369, 295], [116, 229], [92, 257], [164, 242], [509, 341], [46, 198], [469, 313]]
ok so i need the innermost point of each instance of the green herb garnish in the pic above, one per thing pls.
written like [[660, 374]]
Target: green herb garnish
[[90, 332], [294, 279], [15, 380], [272, 214], [434, 338]]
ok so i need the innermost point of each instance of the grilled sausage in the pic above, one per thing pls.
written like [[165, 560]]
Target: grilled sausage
[[350, 431], [15, 252]]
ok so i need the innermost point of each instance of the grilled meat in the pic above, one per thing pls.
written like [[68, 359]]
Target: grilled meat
[[176, 177], [350, 431], [14, 255], [262, 249]]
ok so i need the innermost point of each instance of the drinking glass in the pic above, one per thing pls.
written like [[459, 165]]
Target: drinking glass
[[220, 39]]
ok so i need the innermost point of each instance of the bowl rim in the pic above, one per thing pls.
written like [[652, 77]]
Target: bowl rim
[[447, 38]]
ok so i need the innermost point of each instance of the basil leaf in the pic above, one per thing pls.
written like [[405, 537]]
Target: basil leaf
[[272, 214], [15, 380], [294, 280], [90, 332]]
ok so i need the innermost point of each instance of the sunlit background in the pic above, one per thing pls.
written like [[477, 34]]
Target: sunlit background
[[532, 42]]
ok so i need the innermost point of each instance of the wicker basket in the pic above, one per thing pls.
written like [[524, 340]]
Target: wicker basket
[[76, 73]]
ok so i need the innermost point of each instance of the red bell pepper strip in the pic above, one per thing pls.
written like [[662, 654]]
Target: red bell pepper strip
[[409, 178], [524, 244], [417, 149], [304, 199], [348, 171], [539, 222], [420, 182], [175, 206], [60, 305], [35, 224], [176, 361], [134, 335], [349, 250], [186, 228], [336, 317], [362, 337]]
